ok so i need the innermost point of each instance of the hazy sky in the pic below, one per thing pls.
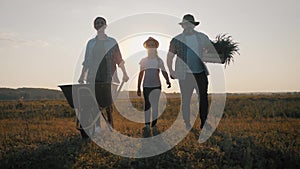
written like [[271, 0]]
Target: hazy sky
[[41, 42]]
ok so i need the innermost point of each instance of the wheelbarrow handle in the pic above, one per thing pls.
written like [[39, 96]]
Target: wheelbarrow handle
[[119, 89]]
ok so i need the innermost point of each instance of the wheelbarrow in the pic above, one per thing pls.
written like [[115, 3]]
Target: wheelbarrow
[[88, 100]]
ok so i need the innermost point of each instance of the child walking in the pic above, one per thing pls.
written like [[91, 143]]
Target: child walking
[[150, 67]]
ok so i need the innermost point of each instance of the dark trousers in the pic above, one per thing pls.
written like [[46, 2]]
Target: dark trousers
[[151, 98], [109, 118], [199, 82]]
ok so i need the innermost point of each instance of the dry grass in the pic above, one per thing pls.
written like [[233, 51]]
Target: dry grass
[[42, 134]]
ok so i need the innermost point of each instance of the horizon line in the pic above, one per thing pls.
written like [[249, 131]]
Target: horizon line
[[229, 92]]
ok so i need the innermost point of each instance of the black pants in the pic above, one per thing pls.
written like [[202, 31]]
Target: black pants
[[151, 97], [199, 82]]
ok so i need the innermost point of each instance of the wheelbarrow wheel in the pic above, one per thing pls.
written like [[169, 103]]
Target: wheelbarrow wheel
[[87, 133], [83, 134]]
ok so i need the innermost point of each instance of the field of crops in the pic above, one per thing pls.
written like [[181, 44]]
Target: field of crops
[[256, 131]]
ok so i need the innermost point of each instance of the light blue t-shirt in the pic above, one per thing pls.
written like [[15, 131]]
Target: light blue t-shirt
[[193, 59]]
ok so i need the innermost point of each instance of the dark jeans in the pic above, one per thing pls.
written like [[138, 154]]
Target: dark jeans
[[151, 97], [109, 118], [199, 82]]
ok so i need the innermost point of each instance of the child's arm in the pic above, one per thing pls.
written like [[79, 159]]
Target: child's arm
[[170, 57], [165, 74], [141, 74]]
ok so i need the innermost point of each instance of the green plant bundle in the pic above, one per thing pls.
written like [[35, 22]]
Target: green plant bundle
[[226, 48]]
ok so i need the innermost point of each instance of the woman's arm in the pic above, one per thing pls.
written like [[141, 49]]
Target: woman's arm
[[141, 75]]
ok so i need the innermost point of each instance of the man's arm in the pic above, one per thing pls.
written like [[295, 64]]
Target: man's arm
[[118, 60], [209, 53], [125, 76], [86, 62], [83, 75]]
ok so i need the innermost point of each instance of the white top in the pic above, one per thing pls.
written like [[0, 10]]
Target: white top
[[151, 66]]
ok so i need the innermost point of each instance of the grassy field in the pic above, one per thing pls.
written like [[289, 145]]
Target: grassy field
[[256, 131]]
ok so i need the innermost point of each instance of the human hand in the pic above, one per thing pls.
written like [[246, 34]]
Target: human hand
[[81, 80], [125, 77], [173, 75], [138, 92], [169, 84]]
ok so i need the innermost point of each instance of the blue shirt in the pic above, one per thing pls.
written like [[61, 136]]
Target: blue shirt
[[178, 47], [193, 60], [111, 54]]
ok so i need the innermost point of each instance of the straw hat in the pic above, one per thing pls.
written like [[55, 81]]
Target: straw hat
[[150, 39]]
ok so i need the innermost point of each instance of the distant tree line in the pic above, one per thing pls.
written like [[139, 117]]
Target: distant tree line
[[30, 94]]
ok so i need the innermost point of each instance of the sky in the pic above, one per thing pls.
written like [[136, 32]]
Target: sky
[[42, 42]]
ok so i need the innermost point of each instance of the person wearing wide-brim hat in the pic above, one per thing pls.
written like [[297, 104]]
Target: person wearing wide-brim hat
[[150, 67], [190, 70], [188, 18]]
